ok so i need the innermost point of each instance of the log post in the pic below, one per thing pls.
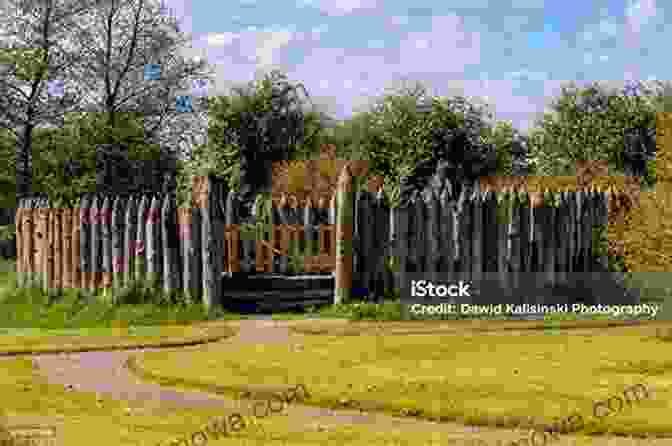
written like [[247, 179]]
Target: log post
[[118, 260], [344, 236], [105, 222], [131, 222]]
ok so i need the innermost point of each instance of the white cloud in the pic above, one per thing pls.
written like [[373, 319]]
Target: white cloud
[[422, 44], [221, 39], [240, 54], [268, 43], [446, 48]]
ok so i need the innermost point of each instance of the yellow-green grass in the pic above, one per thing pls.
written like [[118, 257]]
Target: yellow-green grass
[[30, 316], [23, 341], [474, 372], [82, 417]]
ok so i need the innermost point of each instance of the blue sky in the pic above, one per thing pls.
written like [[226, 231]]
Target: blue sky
[[512, 54]]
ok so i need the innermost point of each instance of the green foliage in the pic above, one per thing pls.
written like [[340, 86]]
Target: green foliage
[[7, 232], [259, 110], [650, 179], [502, 135], [662, 99], [8, 173], [139, 304], [29, 63], [393, 136], [54, 150], [600, 240], [589, 124], [373, 311]]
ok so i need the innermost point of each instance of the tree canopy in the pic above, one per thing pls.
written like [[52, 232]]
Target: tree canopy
[[264, 120], [593, 123], [98, 51], [396, 134]]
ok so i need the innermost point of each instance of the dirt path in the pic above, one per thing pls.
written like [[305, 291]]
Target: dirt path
[[104, 372]]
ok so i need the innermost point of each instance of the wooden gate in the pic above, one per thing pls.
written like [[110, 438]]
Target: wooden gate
[[275, 250], [302, 243]]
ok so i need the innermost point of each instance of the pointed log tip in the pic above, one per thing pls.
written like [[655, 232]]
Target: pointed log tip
[[346, 172]]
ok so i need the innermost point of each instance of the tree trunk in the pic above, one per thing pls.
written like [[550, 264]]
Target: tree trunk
[[24, 168]]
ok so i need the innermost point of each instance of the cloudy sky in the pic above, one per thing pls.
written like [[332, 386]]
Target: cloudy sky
[[514, 54]]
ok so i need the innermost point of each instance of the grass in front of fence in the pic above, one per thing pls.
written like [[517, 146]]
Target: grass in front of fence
[[450, 371], [31, 318]]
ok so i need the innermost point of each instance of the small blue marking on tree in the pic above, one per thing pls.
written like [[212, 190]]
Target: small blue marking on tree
[[152, 72], [183, 104]]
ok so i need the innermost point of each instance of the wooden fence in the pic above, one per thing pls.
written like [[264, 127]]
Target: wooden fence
[[508, 233], [109, 241]]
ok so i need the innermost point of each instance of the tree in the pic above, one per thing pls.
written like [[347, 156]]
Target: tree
[[101, 49], [348, 135], [400, 141], [67, 165], [123, 36], [7, 178], [261, 123], [55, 41], [512, 148], [594, 123], [34, 50]]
